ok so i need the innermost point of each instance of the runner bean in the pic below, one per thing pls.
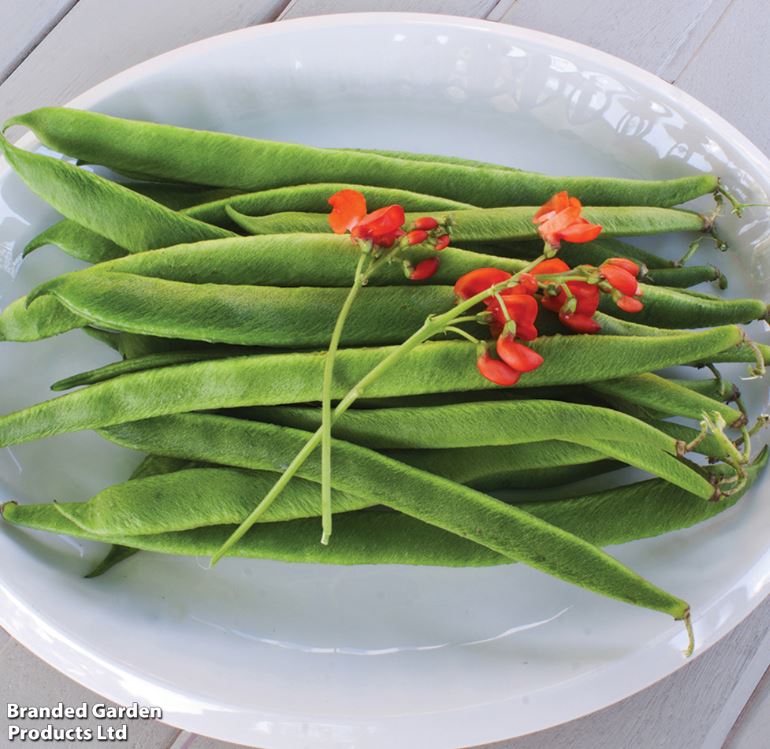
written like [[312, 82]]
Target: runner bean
[[194, 156], [245, 315], [132, 221], [496, 224], [271, 379]]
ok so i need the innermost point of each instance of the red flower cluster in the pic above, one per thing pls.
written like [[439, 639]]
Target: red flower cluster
[[384, 227], [559, 220], [578, 315], [512, 312], [512, 315]]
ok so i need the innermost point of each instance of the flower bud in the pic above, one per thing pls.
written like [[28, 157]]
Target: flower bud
[[424, 269], [426, 223], [442, 242], [416, 236]]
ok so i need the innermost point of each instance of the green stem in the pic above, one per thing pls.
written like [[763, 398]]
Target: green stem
[[432, 326], [461, 332], [326, 407]]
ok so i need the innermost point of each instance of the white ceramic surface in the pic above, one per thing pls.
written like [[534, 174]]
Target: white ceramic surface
[[287, 656]]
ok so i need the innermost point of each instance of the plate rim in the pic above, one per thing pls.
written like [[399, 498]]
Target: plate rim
[[35, 631]]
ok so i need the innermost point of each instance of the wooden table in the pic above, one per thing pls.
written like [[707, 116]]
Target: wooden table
[[52, 50]]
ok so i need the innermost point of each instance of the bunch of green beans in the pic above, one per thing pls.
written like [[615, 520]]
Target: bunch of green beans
[[215, 276]]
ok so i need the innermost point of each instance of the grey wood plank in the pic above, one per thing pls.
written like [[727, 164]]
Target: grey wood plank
[[190, 741], [657, 35], [735, 705], [676, 712], [752, 729], [729, 70], [29, 681], [5, 638], [23, 24], [470, 8], [99, 38]]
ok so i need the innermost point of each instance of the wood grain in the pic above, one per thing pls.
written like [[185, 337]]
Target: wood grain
[[99, 38], [5, 639], [656, 34], [469, 8], [23, 24], [752, 728], [728, 72]]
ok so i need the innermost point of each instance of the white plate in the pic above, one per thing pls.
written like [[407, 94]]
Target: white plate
[[287, 656]]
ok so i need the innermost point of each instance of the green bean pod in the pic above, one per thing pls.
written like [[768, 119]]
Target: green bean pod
[[287, 260], [431, 158], [76, 241], [680, 309], [87, 245], [43, 318], [248, 164], [651, 391], [132, 221], [712, 387], [197, 497], [314, 198], [496, 224], [526, 466], [500, 423], [152, 465], [686, 276], [246, 315], [273, 379], [382, 537], [139, 364], [445, 504]]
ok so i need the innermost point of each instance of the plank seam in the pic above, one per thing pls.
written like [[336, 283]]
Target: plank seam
[[276, 16], [35, 42], [500, 8], [736, 703], [705, 39], [755, 696], [286, 9]]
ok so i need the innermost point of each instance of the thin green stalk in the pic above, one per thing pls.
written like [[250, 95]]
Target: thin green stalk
[[432, 326], [326, 407]]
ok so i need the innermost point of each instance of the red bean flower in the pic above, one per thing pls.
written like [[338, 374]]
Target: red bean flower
[[579, 315], [559, 220], [513, 312], [382, 227], [620, 275]]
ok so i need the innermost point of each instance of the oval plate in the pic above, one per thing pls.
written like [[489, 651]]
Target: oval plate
[[284, 655]]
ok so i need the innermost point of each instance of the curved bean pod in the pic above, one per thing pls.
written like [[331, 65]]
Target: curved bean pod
[[152, 465], [245, 315], [677, 308], [654, 392], [43, 318], [445, 504], [76, 241], [271, 379], [132, 221], [194, 156], [196, 497], [287, 260], [686, 276], [386, 537], [496, 224], [139, 364], [525, 465], [315, 198], [499, 423]]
